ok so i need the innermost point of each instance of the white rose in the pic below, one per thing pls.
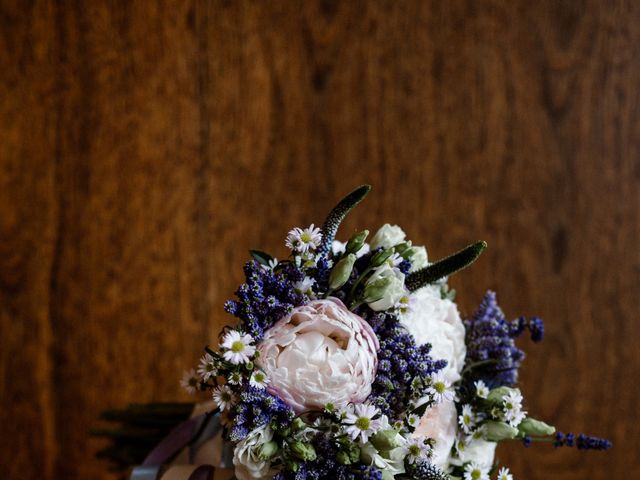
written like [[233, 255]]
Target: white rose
[[387, 236], [419, 258], [384, 288], [432, 319], [246, 456], [440, 422], [320, 353], [480, 451]]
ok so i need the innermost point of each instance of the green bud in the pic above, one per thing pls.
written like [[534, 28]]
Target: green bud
[[380, 257], [497, 431], [497, 394], [385, 440], [330, 407], [292, 465], [402, 247], [531, 426], [341, 271], [268, 450], [297, 424], [356, 242], [304, 451], [249, 366], [374, 291], [343, 458]]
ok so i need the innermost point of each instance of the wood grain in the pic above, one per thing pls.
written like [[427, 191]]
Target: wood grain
[[145, 146]]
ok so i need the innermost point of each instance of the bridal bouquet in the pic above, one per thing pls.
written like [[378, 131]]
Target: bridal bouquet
[[350, 360]]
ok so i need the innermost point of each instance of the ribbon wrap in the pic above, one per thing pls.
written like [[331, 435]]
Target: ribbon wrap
[[194, 450]]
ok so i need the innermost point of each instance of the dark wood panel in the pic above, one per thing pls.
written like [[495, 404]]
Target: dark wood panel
[[144, 147]]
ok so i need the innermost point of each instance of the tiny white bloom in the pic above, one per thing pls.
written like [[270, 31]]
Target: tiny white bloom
[[258, 379], [403, 306], [238, 347], [271, 264], [441, 389], [189, 381], [360, 422], [235, 378], [207, 369], [305, 285], [473, 471], [482, 390], [413, 420], [304, 240], [504, 474], [467, 418], [418, 449], [512, 408], [223, 396]]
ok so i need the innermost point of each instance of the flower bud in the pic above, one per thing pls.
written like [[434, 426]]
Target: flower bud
[[497, 394], [356, 242], [497, 431], [341, 272], [385, 440], [531, 426], [343, 458], [268, 450], [303, 451], [380, 257]]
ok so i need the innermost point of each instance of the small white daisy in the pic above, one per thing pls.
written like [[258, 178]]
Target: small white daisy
[[474, 471], [460, 445], [305, 286], [482, 390], [512, 408], [360, 422], [403, 306], [504, 474], [207, 369], [223, 396], [413, 420], [418, 449], [441, 389], [190, 381], [467, 418], [235, 378], [258, 379], [304, 240], [238, 347]]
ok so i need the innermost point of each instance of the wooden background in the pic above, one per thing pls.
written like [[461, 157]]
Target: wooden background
[[145, 146]]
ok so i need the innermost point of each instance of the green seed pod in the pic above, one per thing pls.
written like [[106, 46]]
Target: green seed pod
[[341, 272], [356, 242], [497, 431], [531, 426]]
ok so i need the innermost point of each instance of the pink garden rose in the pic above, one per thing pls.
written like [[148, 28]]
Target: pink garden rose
[[320, 353]]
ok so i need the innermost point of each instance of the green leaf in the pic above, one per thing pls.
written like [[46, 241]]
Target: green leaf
[[261, 257], [339, 212], [444, 267]]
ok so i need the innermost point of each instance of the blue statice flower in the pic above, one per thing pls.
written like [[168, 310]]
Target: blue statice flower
[[265, 297], [490, 340], [257, 408], [403, 366], [582, 441]]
